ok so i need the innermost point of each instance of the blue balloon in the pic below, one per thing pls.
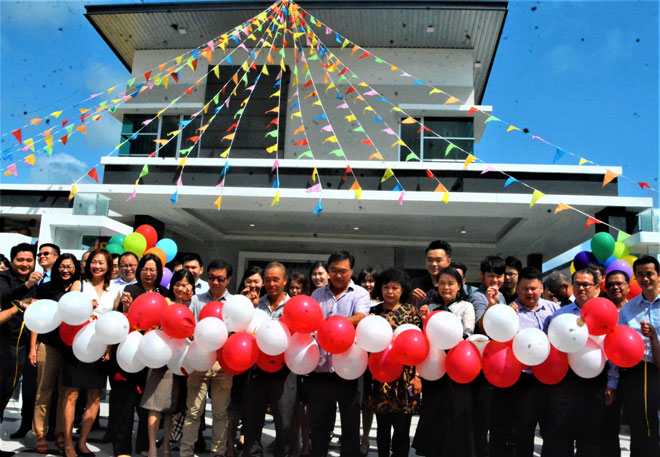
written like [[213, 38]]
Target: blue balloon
[[169, 248], [583, 259], [609, 261]]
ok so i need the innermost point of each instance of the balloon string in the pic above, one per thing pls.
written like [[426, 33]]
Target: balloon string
[[18, 342], [646, 404]]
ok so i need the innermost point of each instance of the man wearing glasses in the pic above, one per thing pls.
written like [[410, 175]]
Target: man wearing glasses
[[215, 380], [127, 265], [48, 254], [576, 406], [340, 297]]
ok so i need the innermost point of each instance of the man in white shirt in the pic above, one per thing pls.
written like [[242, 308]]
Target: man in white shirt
[[193, 263]]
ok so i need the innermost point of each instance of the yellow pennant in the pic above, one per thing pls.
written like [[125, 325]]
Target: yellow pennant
[[393, 68], [387, 175], [536, 196], [74, 191], [282, 65], [226, 153], [30, 159], [56, 114], [178, 60], [363, 84], [245, 66], [216, 71], [512, 127], [368, 108], [583, 161], [468, 160], [264, 70], [161, 142], [276, 199], [445, 197], [83, 110], [332, 139], [296, 114], [436, 91], [376, 155], [29, 143], [276, 94], [409, 120], [183, 162], [274, 110], [396, 108], [399, 143], [173, 132], [166, 79], [271, 149], [218, 202], [317, 103], [314, 174], [350, 117]]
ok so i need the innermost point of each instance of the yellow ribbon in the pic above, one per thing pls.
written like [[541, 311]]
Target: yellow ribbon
[[18, 342]]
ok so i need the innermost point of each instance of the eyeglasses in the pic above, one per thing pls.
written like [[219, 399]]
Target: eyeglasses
[[511, 273], [582, 285], [219, 279], [44, 254], [615, 284]]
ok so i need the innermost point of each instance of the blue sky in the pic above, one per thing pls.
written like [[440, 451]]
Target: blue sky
[[580, 74]]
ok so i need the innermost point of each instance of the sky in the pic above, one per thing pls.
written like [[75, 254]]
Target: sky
[[581, 74]]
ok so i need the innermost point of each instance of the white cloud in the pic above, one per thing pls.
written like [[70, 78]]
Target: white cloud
[[60, 168], [563, 58]]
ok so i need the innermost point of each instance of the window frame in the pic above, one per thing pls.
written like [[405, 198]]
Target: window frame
[[422, 137]]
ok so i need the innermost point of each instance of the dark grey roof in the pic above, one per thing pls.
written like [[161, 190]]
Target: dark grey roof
[[397, 24]]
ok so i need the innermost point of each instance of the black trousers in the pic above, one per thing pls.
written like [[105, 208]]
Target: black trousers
[[122, 410], [9, 375], [399, 441], [326, 390], [501, 442], [575, 416], [279, 391], [482, 398], [644, 440], [28, 392], [530, 399], [609, 437]]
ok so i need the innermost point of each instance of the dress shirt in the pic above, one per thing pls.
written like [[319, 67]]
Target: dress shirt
[[45, 278], [637, 310], [480, 301], [13, 288], [538, 318], [119, 282], [264, 305], [354, 299], [201, 287], [198, 302]]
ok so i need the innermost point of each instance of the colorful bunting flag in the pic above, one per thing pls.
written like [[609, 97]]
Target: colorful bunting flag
[[510, 181], [73, 192], [591, 221], [536, 196], [11, 170], [276, 199], [468, 160], [92, 174], [387, 175], [609, 176], [318, 208], [218, 202], [29, 160]]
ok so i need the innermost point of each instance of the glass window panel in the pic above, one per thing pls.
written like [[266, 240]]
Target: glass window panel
[[409, 136], [169, 124], [434, 149], [133, 123], [449, 127]]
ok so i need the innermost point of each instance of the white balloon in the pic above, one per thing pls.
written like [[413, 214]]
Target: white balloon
[[374, 333], [155, 350], [501, 322], [86, 347], [589, 361], [112, 327], [210, 334], [179, 352], [42, 316], [480, 341], [198, 359], [303, 353], [531, 346], [403, 328], [352, 363], [237, 313], [75, 308], [433, 366], [273, 337], [566, 334], [258, 317], [127, 353], [599, 339], [444, 330]]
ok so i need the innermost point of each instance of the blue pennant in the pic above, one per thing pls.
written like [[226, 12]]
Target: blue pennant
[[7, 154], [225, 170], [297, 104], [231, 62], [174, 197], [509, 182], [276, 183], [319, 208], [195, 54], [378, 119], [398, 187], [321, 116], [559, 153]]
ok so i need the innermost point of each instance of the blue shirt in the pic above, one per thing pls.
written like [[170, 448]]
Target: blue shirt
[[637, 310], [264, 305], [198, 302], [353, 300], [538, 318], [480, 301]]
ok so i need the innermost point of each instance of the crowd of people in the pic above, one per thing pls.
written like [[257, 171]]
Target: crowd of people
[[455, 419]]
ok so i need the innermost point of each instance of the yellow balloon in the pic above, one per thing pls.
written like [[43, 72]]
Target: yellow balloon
[[572, 269], [630, 259]]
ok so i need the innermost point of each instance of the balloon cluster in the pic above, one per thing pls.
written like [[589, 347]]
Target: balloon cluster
[[612, 254], [238, 336], [144, 240]]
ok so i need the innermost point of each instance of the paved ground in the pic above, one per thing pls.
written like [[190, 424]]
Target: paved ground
[[25, 447]]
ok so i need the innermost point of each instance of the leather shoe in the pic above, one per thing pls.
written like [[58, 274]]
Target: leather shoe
[[20, 433], [83, 454]]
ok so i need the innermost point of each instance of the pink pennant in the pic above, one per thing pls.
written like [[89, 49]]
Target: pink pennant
[[406, 75], [25, 148], [211, 45], [132, 196], [95, 95], [371, 93], [276, 164], [179, 182], [222, 183], [147, 122], [328, 31], [487, 169], [151, 86], [343, 106], [227, 103], [327, 128], [302, 56], [251, 88], [260, 41], [315, 188], [401, 197], [279, 76], [294, 95], [126, 98], [389, 131], [12, 169], [242, 46], [537, 138]]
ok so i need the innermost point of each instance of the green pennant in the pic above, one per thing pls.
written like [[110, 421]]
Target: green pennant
[[69, 128], [245, 79], [306, 154], [282, 52], [412, 156], [314, 57], [449, 148], [490, 118], [145, 170], [103, 103], [358, 129], [186, 151], [272, 133], [216, 98], [131, 82], [49, 149], [239, 112], [379, 60], [622, 236], [337, 152]]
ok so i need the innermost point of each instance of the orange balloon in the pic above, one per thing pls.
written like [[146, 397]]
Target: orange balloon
[[158, 252]]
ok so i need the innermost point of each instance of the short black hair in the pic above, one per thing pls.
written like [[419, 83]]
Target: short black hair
[[128, 253], [529, 273], [177, 276], [397, 276], [645, 260], [55, 247], [4, 261], [55, 272], [115, 256], [514, 262], [338, 256], [617, 272], [317, 264], [439, 244], [250, 271], [493, 264], [459, 266], [587, 270], [219, 264], [598, 268], [22, 247], [190, 256]]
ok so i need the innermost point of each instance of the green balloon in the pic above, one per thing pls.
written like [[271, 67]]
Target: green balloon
[[135, 243], [602, 245], [118, 240], [620, 250], [114, 249]]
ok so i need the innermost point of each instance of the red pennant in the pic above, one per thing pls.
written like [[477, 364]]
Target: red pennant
[[366, 54], [367, 142], [644, 185], [423, 128], [118, 377], [193, 139], [348, 170], [275, 121], [233, 126], [175, 76], [64, 122], [430, 174], [152, 154], [64, 139], [253, 66], [194, 64], [274, 48], [343, 71], [286, 43], [301, 142], [83, 117], [351, 89], [472, 111], [17, 135], [591, 221], [189, 91], [92, 174], [308, 83], [147, 75]]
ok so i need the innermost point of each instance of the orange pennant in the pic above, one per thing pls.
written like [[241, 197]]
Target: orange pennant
[[591, 221], [376, 155], [609, 176], [561, 207], [440, 188], [299, 129]]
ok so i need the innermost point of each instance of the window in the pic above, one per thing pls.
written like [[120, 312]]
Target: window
[[143, 144], [431, 144]]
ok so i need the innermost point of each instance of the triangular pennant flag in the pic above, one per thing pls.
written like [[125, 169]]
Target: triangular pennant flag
[[315, 173], [182, 163], [621, 235], [332, 139], [218, 202], [276, 199], [74, 191], [319, 208], [315, 188], [376, 155], [440, 188], [387, 175], [491, 118], [132, 196], [449, 148], [17, 135], [451, 100], [145, 171], [510, 181], [468, 160], [306, 154], [591, 221], [472, 111], [644, 185], [179, 182], [487, 169], [559, 153], [11, 170], [398, 187], [29, 160], [536, 196], [337, 152], [174, 197], [561, 207], [430, 174], [445, 198], [400, 143], [367, 142], [436, 91], [401, 195], [609, 176], [512, 127], [412, 156], [583, 161], [276, 164], [409, 120], [92, 174]]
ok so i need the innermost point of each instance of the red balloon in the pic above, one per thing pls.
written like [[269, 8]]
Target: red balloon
[[303, 314], [145, 311], [383, 366], [624, 347], [69, 332], [500, 365], [600, 314], [149, 233], [463, 362], [211, 309], [410, 347], [553, 369], [177, 321], [270, 363], [240, 351], [336, 334], [223, 364], [635, 290]]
